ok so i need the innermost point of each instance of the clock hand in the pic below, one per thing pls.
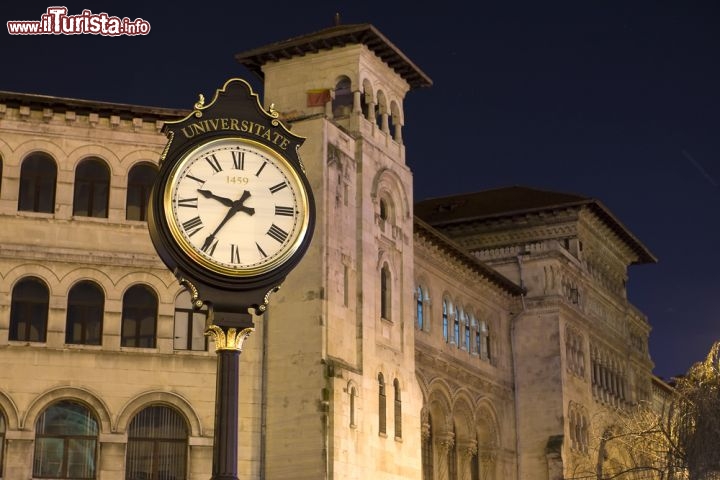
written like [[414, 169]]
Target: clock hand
[[208, 194], [235, 207]]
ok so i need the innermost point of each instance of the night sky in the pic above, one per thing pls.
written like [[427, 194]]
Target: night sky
[[618, 101]]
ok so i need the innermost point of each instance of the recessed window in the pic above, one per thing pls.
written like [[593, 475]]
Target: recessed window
[[86, 304], [157, 445], [139, 317], [343, 101], [38, 175], [385, 293], [353, 396], [382, 397], [456, 327], [29, 311], [445, 326], [92, 188], [398, 409], [65, 442], [420, 308], [383, 210], [140, 182]]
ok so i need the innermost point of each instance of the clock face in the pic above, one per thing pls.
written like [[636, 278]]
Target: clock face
[[236, 207]]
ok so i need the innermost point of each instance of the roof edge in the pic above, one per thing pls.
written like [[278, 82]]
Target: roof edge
[[420, 226], [337, 36], [49, 101]]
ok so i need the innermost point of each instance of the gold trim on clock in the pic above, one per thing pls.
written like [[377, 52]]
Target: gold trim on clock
[[295, 211]]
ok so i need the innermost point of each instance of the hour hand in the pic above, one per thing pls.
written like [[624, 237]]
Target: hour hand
[[208, 194]]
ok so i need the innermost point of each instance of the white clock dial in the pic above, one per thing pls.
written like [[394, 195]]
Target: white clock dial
[[236, 207]]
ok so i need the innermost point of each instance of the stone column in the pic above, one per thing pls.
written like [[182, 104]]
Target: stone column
[[112, 455], [384, 123], [443, 445], [371, 110], [398, 132], [19, 449], [357, 105], [467, 451]]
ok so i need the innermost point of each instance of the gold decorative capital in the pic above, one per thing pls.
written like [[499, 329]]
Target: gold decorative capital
[[232, 340]]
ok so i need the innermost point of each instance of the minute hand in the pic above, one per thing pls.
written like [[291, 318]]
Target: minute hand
[[237, 206]]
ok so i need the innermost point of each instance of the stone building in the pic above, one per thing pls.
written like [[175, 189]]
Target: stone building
[[468, 337]]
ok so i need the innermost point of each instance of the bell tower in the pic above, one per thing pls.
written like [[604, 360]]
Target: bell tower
[[339, 395]]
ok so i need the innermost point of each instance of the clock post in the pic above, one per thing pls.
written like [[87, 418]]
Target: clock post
[[230, 214]]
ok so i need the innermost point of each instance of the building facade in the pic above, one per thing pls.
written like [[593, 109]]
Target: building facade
[[469, 337]]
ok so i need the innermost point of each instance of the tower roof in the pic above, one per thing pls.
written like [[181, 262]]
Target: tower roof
[[520, 201], [337, 36]]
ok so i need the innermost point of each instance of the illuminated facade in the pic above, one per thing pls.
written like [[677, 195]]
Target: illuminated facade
[[471, 337]]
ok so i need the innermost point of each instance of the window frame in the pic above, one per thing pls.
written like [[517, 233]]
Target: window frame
[[139, 188], [67, 441], [91, 312], [171, 414], [138, 336], [93, 174], [19, 318], [38, 181]]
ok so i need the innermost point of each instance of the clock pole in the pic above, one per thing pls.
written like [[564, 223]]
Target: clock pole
[[218, 158], [229, 332]]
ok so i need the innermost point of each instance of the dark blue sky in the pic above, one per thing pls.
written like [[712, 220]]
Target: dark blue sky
[[619, 101]]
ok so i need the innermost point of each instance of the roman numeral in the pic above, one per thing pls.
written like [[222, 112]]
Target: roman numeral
[[277, 233], [209, 247], [278, 187], [262, 252], [196, 179], [257, 174], [234, 254], [188, 202], [193, 226], [284, 211], [238, 159], [214, 163]]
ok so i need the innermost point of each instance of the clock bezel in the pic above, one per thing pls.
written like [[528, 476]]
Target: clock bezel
[[303, 203]]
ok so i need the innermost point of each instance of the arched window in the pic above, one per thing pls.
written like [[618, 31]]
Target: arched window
[[92, 188], [140, 181], [38, 176], [398, 409], [382, 417], [456, 326], [157, 445], [86, 305], [420, 312], [353, 395], [385, 293], [484, 341], [383, 210], [189, 324], [466, 331], [343, 101], [381, 112], [29, 311], [139, 317], [66, 436], [445, 308]]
